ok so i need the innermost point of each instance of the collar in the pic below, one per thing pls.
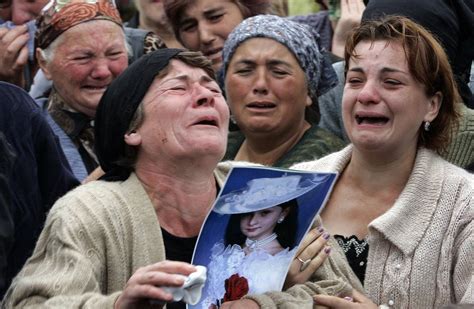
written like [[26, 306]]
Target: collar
[[71, 121], [406, 222]]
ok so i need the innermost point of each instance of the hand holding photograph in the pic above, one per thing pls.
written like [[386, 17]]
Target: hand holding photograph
[[253, 231]]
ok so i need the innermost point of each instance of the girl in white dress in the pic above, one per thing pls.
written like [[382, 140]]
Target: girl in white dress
[[257, 251]]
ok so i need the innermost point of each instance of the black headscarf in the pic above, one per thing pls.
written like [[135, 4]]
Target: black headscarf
[[450, 21], [117, 107]]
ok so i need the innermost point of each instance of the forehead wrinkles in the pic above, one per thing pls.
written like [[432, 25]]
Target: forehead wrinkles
[[87, 33]]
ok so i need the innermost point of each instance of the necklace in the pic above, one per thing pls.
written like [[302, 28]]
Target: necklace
[[258, 244]]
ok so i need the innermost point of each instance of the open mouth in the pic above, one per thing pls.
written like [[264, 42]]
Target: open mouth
[[371, 120], [207, 122], [261, 105]]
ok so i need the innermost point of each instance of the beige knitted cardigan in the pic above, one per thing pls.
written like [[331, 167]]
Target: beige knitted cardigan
[[98, 235], [421, 251]]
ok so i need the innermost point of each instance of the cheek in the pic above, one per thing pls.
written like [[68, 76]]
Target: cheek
[[348, 101], [190, 40], [237, 89], [71, 74], [118, 66]]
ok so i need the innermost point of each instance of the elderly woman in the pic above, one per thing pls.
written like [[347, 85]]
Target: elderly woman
[[161, 130], [81, 62], [404, 215], [274, 72]]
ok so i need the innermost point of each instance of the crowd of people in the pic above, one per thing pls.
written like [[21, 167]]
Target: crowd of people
[[116, 137]]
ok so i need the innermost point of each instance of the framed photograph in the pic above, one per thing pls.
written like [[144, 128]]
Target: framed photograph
[[254, 229]]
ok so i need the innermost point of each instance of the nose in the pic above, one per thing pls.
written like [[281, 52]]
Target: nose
[[369, 93], [202, 96], [206, 35], [260, 86], [101, 69], [253, 218]]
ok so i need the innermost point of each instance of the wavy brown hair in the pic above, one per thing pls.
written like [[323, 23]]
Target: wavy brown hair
[[175, 10], [428, 64]]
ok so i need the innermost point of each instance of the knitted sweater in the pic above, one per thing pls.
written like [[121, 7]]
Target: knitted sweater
[[99, 234], [421, 249]]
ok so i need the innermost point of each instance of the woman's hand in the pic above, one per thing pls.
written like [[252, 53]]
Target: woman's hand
[[351, 15], [358, 301], [147, 282], [311, 254], [13, 54]]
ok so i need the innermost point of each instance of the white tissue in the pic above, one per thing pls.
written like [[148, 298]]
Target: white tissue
[[190, 291]]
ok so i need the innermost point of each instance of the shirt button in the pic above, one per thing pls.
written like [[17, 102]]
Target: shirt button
[[398, 266], [391, 302], [361, 263]]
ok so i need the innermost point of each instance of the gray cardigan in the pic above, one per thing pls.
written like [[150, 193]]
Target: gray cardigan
[[99, 234], [421, 250]]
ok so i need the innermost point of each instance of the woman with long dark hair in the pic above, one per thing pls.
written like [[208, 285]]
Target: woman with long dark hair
[[258, 248]]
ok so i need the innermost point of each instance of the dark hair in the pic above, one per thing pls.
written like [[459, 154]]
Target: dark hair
[[175, 10], [286, 231], [191, 58], [428, 64]]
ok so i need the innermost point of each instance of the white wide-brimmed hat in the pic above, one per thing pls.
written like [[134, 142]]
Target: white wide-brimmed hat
[[262, 193]]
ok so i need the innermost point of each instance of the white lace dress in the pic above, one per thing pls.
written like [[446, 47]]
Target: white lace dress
[[263, 271]]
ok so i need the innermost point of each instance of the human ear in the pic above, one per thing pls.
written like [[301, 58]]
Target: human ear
[[309, 102], [43, 64], [285, 212], [133, 138], [434, 105]]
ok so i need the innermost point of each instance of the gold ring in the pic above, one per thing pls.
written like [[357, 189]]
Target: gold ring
[[304, 264]]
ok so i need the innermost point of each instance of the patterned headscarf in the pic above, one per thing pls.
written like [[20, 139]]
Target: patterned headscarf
[[59, 16], [298, 38]]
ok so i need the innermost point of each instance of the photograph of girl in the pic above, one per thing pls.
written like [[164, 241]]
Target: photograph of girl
[[258, 228]]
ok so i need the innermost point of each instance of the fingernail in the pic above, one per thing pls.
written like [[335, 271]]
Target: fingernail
[[348, 298], [320, 229], [327, 250], [326, 235]]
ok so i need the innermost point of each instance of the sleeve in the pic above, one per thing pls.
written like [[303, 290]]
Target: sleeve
[[67, 268], [6, 221], [463, 274]]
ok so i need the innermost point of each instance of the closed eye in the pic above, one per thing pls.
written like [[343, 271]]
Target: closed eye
[[188, 27], [392, 82], [215, 18]]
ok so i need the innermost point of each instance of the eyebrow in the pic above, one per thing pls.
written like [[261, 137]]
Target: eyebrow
[[268, 62], [204, 78], [212, 11], [384, 70]]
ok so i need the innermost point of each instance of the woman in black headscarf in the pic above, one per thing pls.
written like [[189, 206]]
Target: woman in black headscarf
[[161, 130]]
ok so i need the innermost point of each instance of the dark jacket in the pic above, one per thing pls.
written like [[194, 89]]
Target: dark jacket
[[36, 177]]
